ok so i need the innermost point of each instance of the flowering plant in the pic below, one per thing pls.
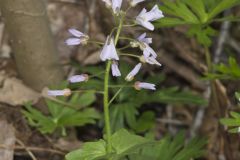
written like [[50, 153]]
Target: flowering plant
[[120, 144]]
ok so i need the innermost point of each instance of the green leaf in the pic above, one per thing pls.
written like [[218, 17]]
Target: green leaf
[[203, 35], [53, 108], [223, 5], [172, 95], [60, 117], [169, 22], [230, 18], [169, 148], [97, 71], [234, 130], [179, 9], [230, 122], [233, 123], [199, 9], [210, 4], [86, 99], [121, 114], [235, 115], [86, 116], [37, 119], [125, 143], [89, 151], [230, 71], [145, 122]]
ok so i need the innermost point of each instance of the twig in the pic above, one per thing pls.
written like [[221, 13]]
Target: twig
[[184, 52], [223, 36], [37, 149], [234, 44], [200, 113], [42, 150], [1, 34], [65, 1], [182, 70], [27, 149], [171, 121], [170, 116]]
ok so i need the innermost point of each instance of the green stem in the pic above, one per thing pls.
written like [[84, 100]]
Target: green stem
[[119, 29], [125, 47], [81, 91], [95, 42], [98, 44], [106, 108], [130, 25], [208, 60], [126, 38], [116, 94], [129, 55], [119, 86], [106, 92]]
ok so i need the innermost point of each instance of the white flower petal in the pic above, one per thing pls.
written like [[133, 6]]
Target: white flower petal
[[116, 5], [65, 92], [154, 14], [73, 41], [78, 78], [133, 73], [115, 70], [148, 51], [142, 12], [152, 60], [75, 32], [135, 2], [144, 18], [144, 85], [142, 38], [109, 51], [145, 24]]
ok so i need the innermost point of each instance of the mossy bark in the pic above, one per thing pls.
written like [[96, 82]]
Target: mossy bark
[[34, 49]]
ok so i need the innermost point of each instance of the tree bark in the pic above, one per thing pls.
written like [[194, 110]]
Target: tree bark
[[34, 49]]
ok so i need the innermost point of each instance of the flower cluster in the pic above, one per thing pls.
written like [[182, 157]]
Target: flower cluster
[[109, 51]]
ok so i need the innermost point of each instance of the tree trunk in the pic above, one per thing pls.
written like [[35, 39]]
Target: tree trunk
[[34, 49]]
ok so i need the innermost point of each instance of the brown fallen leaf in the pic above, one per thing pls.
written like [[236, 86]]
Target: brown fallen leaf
[[7, 141], [14, 92]]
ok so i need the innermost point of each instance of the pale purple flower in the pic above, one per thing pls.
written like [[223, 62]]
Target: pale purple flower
[[135, 70], [141, 41], [152, 60], [135, 2], [145, 18], [78, 78], [148, 51], [115, 70], [144, 45], [65, 92], [144, 85], [116, 6], [109, 51], [79, 38], [142, 38]]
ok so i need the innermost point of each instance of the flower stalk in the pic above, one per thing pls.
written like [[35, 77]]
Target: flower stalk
[[106, 91], [106, 107]]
